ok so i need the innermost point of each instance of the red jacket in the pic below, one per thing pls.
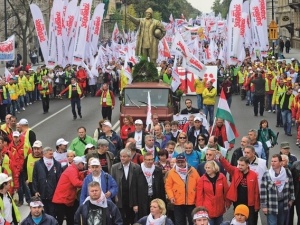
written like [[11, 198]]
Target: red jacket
[[81, 76], [214, 202], [221, 132], [125, 130], [66, 189], [16, 156], [236, 177], [99, 93]]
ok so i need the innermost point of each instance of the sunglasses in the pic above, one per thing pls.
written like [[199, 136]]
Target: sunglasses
[[200, 139], [182, 137]]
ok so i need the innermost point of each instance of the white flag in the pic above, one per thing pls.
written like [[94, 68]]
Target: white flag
[[149, 114], [95, 27], [175, 81]]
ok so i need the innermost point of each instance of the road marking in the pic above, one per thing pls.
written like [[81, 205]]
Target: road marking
[[49, 117]]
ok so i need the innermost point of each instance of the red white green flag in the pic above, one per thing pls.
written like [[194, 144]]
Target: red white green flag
[[224, 113]]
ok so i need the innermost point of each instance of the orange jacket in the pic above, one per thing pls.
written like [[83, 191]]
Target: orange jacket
[[81, 76], [295, 107], [184, 193]]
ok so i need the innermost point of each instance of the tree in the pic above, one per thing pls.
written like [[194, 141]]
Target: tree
[[217, 7], [131, 11]]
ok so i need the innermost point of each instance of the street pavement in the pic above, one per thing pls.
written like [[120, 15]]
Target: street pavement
[[58, 124]]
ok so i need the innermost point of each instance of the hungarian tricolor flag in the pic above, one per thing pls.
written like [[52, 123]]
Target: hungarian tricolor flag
[[224, 113]]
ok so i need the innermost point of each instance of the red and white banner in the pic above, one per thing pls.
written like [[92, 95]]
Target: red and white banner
[[233, 35], [7, 49], [58, 8], [95, 27], [40, 28], [81, 32], [115, 33], [51, 59]]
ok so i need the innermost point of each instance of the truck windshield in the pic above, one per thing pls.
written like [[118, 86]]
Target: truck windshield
[[159, 97]]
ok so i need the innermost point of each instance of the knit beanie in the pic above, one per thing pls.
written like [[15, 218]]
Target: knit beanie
[[242, 209]]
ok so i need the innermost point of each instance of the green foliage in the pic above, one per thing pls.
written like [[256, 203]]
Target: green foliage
[[221, 7], [145, 71], [131, 11], [165, 7]]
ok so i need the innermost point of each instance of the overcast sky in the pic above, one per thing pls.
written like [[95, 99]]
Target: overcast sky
[[202, 5]]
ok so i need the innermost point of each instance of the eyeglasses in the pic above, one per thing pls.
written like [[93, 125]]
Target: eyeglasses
[[182, 137], [149, 159], [155, 118], [200, 139], [209, 154]]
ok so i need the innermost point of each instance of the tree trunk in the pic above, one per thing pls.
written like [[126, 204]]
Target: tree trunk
[[25, 50]]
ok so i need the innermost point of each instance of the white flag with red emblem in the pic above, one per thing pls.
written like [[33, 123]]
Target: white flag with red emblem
[[115, 33]]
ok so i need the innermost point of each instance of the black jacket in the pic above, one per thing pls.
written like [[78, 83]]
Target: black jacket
[[259, 86], [186, 111], [46, 220], [157, 187], [237, 153], [112, 214], [131, 135], [44, 181], [191, 135], [295, 169]]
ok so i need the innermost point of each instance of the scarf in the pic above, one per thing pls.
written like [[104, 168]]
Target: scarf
[[159, 221], [234, 222], [101, 202], [148, 175], [48, 163], [182, 172], [280, 180]]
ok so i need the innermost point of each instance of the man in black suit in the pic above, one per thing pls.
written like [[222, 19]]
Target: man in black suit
[[189, 107], [138, 134], [125, 174]]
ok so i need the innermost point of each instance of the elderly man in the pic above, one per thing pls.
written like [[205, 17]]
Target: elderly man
[[259, 149], [160, 140], [108, 184], [96, 209], [114, 140], [105, 157], [46, 173], [183, 197], [151, 31], [78, 144], [150, 185], [239, 152], [69, 182], [213, 143], [37, 214], [125, 174], [285, 150], [27, 136], [150, 147], [277, 192]]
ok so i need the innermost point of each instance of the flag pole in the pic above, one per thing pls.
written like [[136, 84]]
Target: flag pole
[[213, 126]]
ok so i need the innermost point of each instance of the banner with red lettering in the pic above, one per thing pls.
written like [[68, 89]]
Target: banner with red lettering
[[51, 59], [81, 32], [115, 33], [7, 49], [40, 28], [233, 35], [95, 27], [58, 28]]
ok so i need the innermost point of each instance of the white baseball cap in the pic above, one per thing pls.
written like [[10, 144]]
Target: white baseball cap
[[16, 134], [23, 122], [4, 178], [37, 144], [78, 159], [95, 162], [107, 123], [61, 141], [138, 122], [89, 146]]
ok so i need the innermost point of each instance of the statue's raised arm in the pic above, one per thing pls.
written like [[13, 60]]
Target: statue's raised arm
[[149, 33]]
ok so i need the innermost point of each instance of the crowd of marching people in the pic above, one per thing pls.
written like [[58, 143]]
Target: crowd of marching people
[[162, 175]]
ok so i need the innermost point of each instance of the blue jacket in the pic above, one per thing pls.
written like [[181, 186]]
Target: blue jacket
[[46, 220], [112, 214], [163, 144], [115, 142], [106, 181], [193, 159]]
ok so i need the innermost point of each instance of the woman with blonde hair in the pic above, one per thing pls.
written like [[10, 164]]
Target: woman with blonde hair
[[211, 192], [157, 214], [182, 138]]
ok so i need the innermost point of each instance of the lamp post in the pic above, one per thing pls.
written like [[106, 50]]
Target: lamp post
[[273, 41], [5, 20], [125, 15]]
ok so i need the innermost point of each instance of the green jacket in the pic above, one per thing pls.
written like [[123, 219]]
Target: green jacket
[[78, 145]]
